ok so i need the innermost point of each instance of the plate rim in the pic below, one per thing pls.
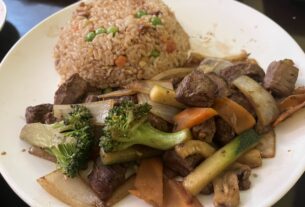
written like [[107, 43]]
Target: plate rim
[[3, 18], [13, 185]]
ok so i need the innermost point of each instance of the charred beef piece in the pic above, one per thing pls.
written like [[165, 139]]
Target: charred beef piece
[[42, 113], [104, 179], [281, 77], [159, 123], [204, 131], [196, 89], [179, 165], [224, 132], [239, 98], [71, 91], [243, 68], [223, 89]]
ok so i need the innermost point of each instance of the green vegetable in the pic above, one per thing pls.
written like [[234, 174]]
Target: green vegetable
[[68, 140], [219, 161], [90, 36], [112, 30], [155, 21], [127, 125], [154, 53], [140, 14], [127, 155], [100, 30]]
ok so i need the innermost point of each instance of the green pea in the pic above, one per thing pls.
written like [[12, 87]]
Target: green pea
[[113, 30], [156, 21], [140, 14], [100, 30], [90, 36], [154, 53]]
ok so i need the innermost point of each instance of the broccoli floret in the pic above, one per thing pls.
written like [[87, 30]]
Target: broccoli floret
[[68, 140], [127, 125]]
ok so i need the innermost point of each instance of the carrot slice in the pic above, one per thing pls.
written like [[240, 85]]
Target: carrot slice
[[234, 114], [176, 195], [149, 182], [193, 116]]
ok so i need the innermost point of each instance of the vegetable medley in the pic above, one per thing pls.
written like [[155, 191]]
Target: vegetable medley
[[187, 131]]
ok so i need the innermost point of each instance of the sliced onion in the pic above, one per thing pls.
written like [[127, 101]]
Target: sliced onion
[[118, 93], [72, 191], [172, 73], [99, 110], [144, 86], [213, 65], [166, 112], [86, 172], [262, 101], [288, 113]]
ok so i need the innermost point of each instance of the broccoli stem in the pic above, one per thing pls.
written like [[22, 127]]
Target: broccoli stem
[[147, 135]]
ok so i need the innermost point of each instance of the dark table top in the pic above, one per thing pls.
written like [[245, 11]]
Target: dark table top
[[24, 14]]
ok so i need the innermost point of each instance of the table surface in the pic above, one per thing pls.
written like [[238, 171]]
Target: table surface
[[24, 14]]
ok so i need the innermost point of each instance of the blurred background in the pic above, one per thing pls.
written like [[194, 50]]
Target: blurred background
[[24, 14]]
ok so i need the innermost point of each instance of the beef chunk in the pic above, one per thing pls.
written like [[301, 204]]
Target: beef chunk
[[205, 131], [159, 123], [281, 77], [197, 89], [179, 165], [224, 132], [223, 89], [41, 113], [105, 179], [71, 91], [243, 68], [239, 98]]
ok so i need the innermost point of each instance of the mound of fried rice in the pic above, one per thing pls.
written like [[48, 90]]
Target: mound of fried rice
[[112, 60]]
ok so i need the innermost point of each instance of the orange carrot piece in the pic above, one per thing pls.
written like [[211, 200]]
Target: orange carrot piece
[[175, 195], [234, 114], [288, 113], [193, 116], [120, 61], [149, 182]]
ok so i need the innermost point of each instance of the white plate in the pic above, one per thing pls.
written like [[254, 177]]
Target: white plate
[[2, 14], [27, 77]]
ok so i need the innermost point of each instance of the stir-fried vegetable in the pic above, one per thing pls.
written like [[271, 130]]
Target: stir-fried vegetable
[[166, 112], [118, 93], [219, 161], [193, 116], [72, 191], [266, 145], [291, 101], [129, 154], [149, 182], [98, 110], [127, 125], [145, 86], [234, 114], [166, 96], [288, 113], [192, 147], [69, 140], [215, 65], [175, 195], [262, 101], [252, 158]]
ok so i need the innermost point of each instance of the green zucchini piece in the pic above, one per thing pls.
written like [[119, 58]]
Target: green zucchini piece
[[219, 161]]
